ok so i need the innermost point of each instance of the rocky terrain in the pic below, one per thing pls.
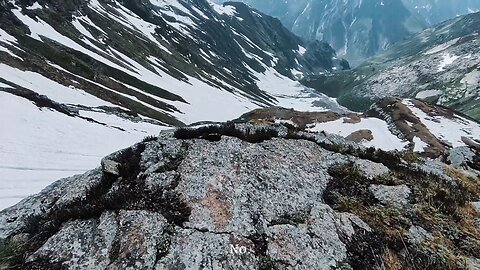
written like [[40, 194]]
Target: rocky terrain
[[439, 65], [105, 74], [262, 192]]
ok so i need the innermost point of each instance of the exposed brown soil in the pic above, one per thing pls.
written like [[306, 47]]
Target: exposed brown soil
[[360, 135], [301, 119]]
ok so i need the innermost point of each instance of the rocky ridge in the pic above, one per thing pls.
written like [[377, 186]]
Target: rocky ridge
[[251, 194]]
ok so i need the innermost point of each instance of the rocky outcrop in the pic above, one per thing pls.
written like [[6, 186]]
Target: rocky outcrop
[[250, 196]]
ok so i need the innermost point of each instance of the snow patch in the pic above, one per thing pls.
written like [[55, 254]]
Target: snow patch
[[448, 59], [65, 146], [2, 85], [301, 50], [419, 145], [448, 130], [53, 90], [428, 93], [442, 47], [382, 136], [224, 9]]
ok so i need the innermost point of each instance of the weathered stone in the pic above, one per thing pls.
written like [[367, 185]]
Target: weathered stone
[[476, 205], [459, 156], [396, 196], [416, 235], [110, 166], [371, 169]]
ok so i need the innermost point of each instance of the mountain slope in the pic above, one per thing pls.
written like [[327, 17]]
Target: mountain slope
[[355, 29], [360, 29], [440, 64], [163, 48], [71, 70]]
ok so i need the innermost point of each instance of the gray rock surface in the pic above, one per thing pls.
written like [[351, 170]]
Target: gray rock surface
[[417, 235], [396, 196], [459, 156]]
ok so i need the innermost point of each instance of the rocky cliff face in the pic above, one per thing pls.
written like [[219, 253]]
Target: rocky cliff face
[[361, 29], [252, 194]]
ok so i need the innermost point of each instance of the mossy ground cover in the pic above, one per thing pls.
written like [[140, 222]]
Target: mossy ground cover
[[439, 206]]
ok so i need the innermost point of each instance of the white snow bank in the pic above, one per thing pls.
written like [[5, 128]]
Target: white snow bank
[[382, 137], [449, 130], [41, 145]]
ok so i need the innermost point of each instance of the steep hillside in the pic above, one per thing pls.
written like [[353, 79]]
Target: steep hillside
[[440, 64], [73, 70], [252, 195], [360, 29]]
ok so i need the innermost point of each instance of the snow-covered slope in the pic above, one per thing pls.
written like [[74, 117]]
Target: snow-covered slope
[[80, 79], [40, 145]]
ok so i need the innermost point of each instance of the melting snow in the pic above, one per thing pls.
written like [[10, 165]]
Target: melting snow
[[77, 24], [419, 145], [428, 93], [442, 47], [221, 9], [2, 85], [448, 59], [49, 88], [65, 146], [35, 5], [382, 137], [7, 38], [449, 130], [301, 50]]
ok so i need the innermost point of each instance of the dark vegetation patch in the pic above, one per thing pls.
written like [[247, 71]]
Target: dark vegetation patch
[[40, 101], [347, 188], [260, 247], [149, 138], [290, 219], [363, 250], [215, 132], [11, 251]]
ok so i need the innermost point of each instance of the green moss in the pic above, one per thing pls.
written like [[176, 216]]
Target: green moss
[[11, 252]]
